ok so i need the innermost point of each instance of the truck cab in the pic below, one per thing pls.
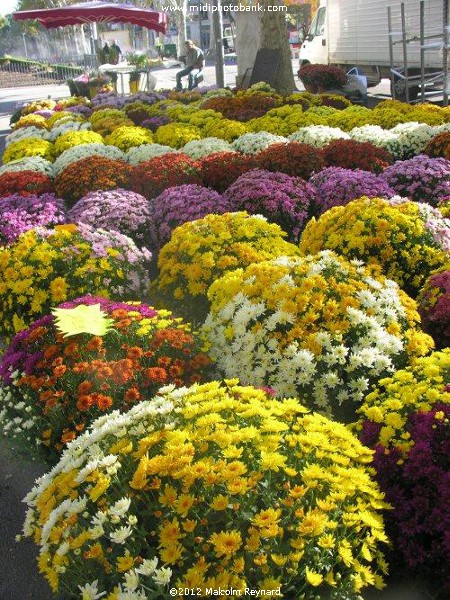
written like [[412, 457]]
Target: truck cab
[[314, 47]]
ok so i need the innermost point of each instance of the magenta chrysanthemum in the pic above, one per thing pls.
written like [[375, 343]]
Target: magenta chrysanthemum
[[336, 186], [180, 204], [119, 210], [280, 198]]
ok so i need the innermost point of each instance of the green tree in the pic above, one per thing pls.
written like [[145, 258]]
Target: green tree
[[177, 16], [37, 4]]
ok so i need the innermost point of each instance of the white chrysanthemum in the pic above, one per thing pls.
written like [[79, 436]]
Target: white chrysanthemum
[[120, 507], [145, 152], [29, 163], [252, 143], [61, 510], [331, 379], [131, 580], [99, 518], [359, 385], [162, 576], [441, 128], [26, 132], [78, 505], [413, 137], [80, 151], [148, 566], [96, 532], [318, 135], [61, 128], [382, 138], [89, 591], [63, 549], [88, 469], [120, 535], [217, 93], [249, 342], [199, 148]]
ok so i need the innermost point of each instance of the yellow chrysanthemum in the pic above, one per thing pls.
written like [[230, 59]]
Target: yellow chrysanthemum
[[313, 578], [226, 543]]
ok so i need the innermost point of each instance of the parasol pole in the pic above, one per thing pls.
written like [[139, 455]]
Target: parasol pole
[[94, 37]]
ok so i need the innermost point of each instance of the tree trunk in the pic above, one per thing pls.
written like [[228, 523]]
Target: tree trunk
[[247, 41], [180, 19], [274, 34]]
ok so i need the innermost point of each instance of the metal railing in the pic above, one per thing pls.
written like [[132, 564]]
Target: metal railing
[[20, 72], [409, 80]]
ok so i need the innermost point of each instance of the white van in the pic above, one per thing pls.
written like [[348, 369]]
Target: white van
[[355, 33]]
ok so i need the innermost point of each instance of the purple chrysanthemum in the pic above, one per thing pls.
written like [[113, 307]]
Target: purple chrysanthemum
[[145, 97], [282, 199], [20, 213], [45, 112], [15, 358], [181, 204], [417, 487], [421, 178], [336, 186], [118, 210], [434, 307], [153, 123], [79, 109], [110, 305], [102, 241]]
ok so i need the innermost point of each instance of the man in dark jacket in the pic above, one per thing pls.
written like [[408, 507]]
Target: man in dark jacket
[[114, 53], [194, 64]]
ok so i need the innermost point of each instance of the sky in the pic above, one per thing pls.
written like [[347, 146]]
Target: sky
[[7, 6]]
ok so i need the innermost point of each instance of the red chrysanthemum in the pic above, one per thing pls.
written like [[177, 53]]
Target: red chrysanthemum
[[350, 154], [24, 183], [91, 174], [152, 177], [293, 158], [221, 169]]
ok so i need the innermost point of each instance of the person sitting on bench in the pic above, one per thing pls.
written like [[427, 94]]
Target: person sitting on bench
[[194, 65]]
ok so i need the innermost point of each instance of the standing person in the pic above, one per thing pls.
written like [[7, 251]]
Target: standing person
[[110, 55], [194, 64], [105, 53], [114, 53]]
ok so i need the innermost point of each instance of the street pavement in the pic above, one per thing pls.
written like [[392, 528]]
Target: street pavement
[[19, 577]]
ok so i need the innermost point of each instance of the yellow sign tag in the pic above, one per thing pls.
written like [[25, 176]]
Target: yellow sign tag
[[82, 319]]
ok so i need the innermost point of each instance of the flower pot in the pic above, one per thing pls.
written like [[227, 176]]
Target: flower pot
[[134, 83], [311, 88], [93, 90]]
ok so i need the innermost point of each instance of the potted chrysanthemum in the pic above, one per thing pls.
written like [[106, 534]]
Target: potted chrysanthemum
[[95, 83], [139, 61], [210, 488], [109, 354], [321, 78]]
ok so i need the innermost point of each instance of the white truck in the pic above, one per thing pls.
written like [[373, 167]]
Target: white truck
[[356, 33]]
